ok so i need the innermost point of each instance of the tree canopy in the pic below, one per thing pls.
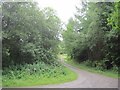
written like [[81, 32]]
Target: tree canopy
[[29, 33], [94, 34]]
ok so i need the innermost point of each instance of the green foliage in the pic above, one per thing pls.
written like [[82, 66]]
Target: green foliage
[[0, 78], [36, 74], [94, 67], [30, 46], [94, 38], [39, 68], [28, 34], [109, 73], [113, 37], [67, 37]]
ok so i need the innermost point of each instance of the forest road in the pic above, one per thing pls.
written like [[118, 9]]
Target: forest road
[[85, 80]]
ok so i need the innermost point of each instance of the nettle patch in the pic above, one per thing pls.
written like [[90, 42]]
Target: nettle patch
[[36, 74], [41, 69]]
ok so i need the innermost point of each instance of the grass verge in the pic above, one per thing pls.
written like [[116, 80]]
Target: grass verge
[[108, 73], [0, 78], [36, 80]]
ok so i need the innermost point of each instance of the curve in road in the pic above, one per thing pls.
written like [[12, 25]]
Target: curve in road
[[85, 80]]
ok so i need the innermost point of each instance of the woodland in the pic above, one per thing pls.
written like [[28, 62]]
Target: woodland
[[31, 44]]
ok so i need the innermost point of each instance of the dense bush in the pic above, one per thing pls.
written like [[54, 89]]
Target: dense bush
[[36, 74], [28, 34], [39, 68]]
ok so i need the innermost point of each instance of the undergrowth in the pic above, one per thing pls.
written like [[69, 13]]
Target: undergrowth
[[36, 74]]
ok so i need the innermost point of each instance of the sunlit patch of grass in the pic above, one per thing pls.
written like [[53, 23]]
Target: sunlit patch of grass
[[44, 75]]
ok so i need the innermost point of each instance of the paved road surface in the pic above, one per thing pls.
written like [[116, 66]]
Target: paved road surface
[[85, 80]]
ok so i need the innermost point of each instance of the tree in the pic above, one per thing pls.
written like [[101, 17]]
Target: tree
[[28, 35], [96, 39]]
